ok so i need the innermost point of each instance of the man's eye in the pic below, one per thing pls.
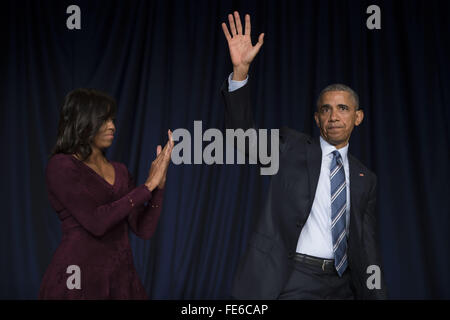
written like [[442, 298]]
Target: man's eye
[[343, 107]]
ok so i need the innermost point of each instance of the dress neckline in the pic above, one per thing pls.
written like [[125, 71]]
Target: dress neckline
[[97, 175]]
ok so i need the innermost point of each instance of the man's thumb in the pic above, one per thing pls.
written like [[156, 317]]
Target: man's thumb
[[260, 40]]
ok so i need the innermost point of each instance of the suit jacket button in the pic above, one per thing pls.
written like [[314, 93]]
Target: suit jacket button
[[290, 254]]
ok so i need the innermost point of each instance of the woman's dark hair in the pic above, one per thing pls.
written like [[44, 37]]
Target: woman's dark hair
[[83, 112]]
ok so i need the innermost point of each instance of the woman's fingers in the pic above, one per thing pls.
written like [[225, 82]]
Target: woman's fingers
[[170, 139], [169, 145], [164, 153], [165, 150], [158, 150], [158, 169]]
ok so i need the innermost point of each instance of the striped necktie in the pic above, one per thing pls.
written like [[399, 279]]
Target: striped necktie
[[338, 212]]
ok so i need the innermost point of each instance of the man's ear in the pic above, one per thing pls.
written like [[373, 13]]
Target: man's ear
[[359, 117], [316, 117]]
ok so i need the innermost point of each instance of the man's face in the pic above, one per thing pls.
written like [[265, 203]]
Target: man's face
[[336, 116]]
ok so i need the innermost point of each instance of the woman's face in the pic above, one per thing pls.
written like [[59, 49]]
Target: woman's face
[[105, 135]]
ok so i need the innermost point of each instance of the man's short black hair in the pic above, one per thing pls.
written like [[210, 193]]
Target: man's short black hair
[[339, 87]]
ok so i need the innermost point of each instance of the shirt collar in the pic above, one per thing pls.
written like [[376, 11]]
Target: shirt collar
[[328, 148]]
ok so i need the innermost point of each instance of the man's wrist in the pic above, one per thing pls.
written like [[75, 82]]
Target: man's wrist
[[240, 73]]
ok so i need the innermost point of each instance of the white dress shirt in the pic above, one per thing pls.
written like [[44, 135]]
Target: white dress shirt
[[316, 239], [234, 85]]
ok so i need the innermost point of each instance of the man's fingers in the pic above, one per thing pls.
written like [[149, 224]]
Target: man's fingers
[[225, 31], [158, 150], [248, 27], [238, 22], [232, 26]]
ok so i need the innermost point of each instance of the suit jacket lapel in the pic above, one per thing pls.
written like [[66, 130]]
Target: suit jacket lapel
[[356, 187], [314, 162]]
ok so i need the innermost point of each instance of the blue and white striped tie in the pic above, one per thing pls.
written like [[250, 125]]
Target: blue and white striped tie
[[338, 212]]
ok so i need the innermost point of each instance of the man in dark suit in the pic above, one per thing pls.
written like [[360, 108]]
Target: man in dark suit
[[316, 237]]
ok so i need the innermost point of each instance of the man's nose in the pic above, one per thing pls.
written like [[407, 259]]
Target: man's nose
[[334, 115]]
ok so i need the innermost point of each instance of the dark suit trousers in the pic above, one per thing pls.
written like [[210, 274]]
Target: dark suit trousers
[[312, 283]]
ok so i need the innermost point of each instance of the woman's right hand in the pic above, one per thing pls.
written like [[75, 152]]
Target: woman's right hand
[[158, 169]]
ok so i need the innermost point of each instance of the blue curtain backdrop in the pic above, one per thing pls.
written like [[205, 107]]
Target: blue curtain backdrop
[[164, 62]]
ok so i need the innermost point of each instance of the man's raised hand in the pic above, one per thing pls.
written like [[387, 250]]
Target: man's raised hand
[[242, 52]]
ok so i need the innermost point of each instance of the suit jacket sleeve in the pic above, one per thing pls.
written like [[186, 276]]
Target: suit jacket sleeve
[[371, 241], [143, 219], [239, 115], [63, 183], [238, 110]]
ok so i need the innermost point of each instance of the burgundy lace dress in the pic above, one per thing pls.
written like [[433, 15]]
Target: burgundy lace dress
[[95, 218]]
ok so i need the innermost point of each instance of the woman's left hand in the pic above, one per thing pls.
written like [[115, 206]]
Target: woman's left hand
[[168, 150]]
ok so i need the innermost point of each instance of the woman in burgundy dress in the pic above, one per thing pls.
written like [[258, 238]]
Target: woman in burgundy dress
[[97, 202]]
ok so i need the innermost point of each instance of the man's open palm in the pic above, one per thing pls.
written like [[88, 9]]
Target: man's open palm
[[242, 51]]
